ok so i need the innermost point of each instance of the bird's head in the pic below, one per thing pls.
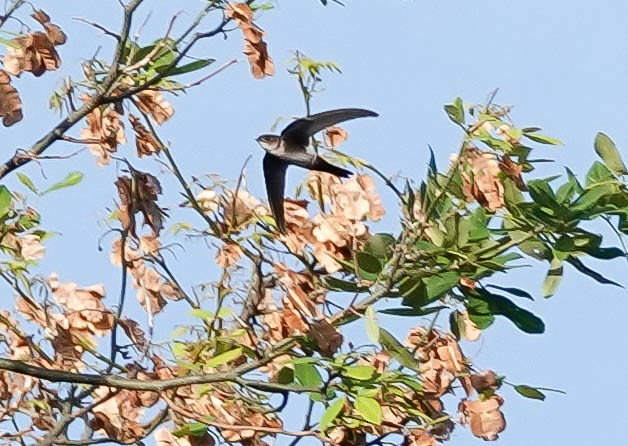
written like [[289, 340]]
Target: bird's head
[[270, 143]]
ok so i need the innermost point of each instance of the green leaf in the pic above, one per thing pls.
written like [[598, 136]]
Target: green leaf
[[9, 43], [397, 350], [482, 320], [225, 357], [369, 409], [380, 245], [72, 179], [598, 173], [369, 266], [530, 392], [285, 376], [542, 193], [195, 429], [331, 413], [592, 196], [372, 327], [607, 150], [359, 372], [455, 111], [456, 324], [188, 68], [201, 314], [5, 201], [438, 284], [307, 375], [26, 181], [542, 139], [553, 278]]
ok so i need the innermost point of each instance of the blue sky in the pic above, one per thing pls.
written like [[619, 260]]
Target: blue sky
[[563, 65]]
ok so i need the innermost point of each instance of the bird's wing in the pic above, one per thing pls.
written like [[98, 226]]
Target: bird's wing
[[275, 178], [298, 133]]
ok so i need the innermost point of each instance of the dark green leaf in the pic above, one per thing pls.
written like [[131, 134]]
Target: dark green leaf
[[369, 266], [542, 193], [397, 350], [514, 291], [607, 150], [188, 68], [410, 198], [285, 376], [530, 392], [456, 324], [412, 311], [432, 170], [499, 305], [455, 111], [604, 253], [576, 263]]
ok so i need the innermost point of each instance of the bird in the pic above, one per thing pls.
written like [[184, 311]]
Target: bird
[[292, 147]]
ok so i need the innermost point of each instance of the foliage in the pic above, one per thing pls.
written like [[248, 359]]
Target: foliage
[[272, 320]]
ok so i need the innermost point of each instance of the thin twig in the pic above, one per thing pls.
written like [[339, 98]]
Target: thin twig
[[235, 427]]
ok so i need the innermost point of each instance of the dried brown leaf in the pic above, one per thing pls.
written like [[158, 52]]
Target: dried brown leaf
[[55, 34], [334, 136], [35, 53], [153, 103], [326, 337], [85, 311], [470, 330], [104, 131], [254, 46], [484, 381], [10, 102], [135, 333], [419, 437], [31, 311], [118, 416], [481, 180], [139, 194], [513, 171], [228, 255], [145, 143], [31, 248], [484, 417]]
